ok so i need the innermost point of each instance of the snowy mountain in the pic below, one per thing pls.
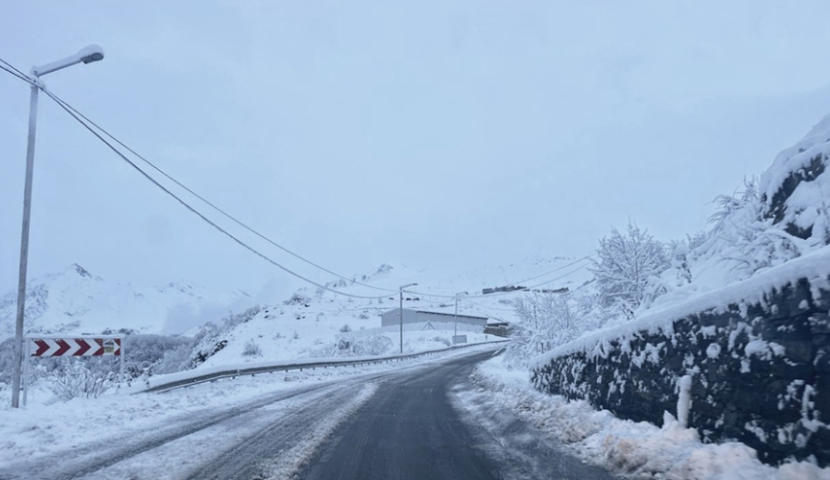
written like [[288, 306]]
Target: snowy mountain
[[75, 301]]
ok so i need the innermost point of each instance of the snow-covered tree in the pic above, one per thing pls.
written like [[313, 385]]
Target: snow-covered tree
[[747, 237], [625, 267], [545, 320]]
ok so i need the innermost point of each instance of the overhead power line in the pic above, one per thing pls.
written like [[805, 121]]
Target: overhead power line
[[87, 123], [586, 257], [192, 209], [75, 113], [212, 205], [179, 199], [488, 307], [497, 294], [14, 73], [581, 267]]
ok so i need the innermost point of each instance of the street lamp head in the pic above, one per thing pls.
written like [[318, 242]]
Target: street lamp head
[[409, 285], [89, 54], [92, 53]]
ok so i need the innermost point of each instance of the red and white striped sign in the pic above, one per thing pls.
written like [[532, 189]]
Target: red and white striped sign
[[74, 347]]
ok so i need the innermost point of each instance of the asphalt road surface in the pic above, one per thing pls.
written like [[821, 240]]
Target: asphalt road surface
[[407, 423], [410, 429]]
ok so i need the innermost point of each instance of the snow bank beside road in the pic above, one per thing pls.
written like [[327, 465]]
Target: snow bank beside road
[[638, 449]]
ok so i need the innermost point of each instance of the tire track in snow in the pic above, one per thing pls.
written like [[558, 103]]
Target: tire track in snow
[[279, 451]]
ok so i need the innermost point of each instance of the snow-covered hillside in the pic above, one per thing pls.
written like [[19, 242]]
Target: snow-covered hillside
[[304, 323], [782, 216], [75, 301], [309, 323]]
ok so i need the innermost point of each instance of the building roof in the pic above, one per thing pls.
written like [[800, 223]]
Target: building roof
[[452, 314], [439, 313]]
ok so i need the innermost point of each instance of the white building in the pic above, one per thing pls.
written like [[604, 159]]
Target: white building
[[423, 320]]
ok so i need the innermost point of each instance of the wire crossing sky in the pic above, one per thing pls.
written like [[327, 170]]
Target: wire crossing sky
[[441, 135], [97, 131]]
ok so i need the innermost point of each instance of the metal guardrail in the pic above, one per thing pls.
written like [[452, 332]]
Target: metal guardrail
[[232, 373]]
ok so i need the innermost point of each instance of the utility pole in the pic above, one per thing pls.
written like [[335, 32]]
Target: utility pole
[[92, 53], [455, 330], [400, 312]]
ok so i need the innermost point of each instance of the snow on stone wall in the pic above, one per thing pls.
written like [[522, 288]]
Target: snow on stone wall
[[757, 352]]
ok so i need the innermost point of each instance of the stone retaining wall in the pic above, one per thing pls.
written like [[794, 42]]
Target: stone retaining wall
[[760, 373]]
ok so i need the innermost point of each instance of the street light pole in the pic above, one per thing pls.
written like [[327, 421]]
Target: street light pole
[[455, 330], [92, 53], [400, 312]]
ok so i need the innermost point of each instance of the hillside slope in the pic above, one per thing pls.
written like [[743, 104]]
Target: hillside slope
[[75, 301]]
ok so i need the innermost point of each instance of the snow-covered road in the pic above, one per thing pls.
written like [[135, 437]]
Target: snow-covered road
[[410, 420], [267, 426], [181, 447]]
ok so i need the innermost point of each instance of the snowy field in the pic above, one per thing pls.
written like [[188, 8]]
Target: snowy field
[[630, 449]]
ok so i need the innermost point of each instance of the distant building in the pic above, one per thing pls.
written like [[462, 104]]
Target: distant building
[[423, 320], [497, 328]]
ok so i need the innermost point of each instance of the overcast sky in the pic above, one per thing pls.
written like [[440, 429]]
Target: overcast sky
[[442, 134]]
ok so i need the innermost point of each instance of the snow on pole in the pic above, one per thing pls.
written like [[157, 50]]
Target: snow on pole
[[684, 400], [26, 382], [123, 358]]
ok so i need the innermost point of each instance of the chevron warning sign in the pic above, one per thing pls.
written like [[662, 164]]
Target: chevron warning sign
[[74, 347]]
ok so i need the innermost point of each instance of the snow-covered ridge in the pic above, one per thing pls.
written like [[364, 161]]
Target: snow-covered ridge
[[815, 268], [75, 301], [816, 144]]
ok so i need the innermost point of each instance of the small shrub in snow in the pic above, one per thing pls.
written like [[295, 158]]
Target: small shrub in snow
[[370, 346], [443, 341], [251, 349], [345, 328], [82, 378], [158, 353], [174, 360], [298, 299]]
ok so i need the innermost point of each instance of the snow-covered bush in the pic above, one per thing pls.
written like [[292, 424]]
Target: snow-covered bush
[[746, 237], [83, 377], [372, 346], [298, 299], [545, 320], [175, 360], [442, 340], [233, 320], [155, 354], [6, 360], [252, 349], [345, 328], [626, 265]]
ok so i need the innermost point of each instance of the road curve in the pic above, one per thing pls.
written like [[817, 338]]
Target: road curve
[[410, 430], [391, 425], [407, 430]]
